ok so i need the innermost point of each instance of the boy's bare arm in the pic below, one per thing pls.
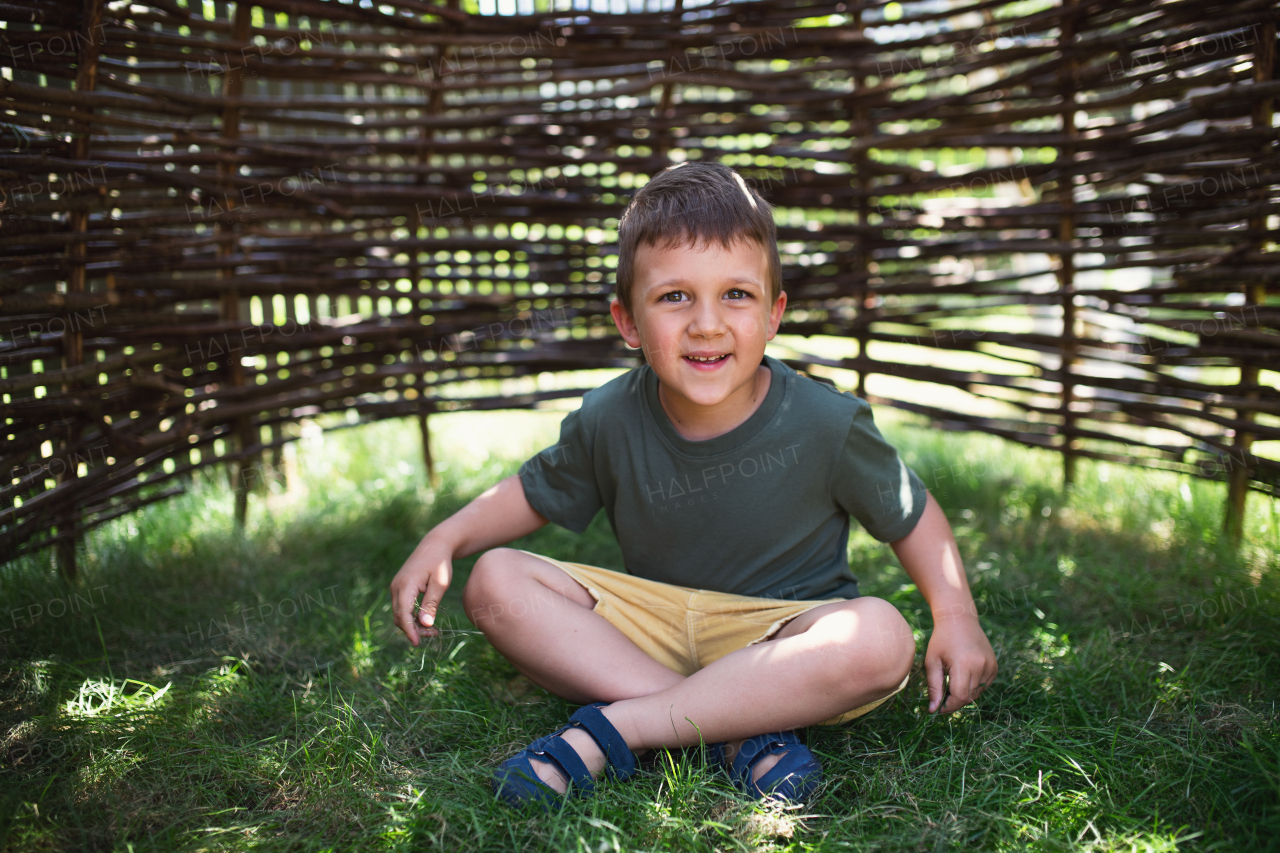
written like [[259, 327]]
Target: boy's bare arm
[[496, 517], [958, 649]]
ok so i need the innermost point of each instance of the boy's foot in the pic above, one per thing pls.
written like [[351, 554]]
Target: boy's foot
[[544, 770], [587, 750], [763, 766], [590, 753], [770, 766]]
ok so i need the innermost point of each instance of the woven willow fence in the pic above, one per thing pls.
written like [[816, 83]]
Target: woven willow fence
[[1053, 223]]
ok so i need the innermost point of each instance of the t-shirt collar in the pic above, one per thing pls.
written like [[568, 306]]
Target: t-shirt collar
[[736, 437]]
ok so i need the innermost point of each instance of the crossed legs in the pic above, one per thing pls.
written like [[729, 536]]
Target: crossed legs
[[820, 664]]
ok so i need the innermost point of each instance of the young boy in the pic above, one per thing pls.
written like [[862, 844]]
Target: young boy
[[729, 480]]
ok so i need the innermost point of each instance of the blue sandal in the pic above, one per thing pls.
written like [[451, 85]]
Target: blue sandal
[[796, 775], [516, 783]]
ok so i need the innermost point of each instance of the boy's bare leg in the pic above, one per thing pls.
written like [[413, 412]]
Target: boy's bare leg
[[822, 663], [541, 620]]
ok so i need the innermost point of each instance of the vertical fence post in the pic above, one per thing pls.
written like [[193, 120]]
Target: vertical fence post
[[661, 141], [432, 477], [662, 137], [72, 337], [859, 117], [415, 272], [425, 153], [232, 88], [277, 466], [1264, 60], [1066, 237]]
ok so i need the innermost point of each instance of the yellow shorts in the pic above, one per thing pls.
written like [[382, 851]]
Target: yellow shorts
[[685, 629]]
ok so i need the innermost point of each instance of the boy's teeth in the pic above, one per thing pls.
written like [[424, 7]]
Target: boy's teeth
[[704, 358]]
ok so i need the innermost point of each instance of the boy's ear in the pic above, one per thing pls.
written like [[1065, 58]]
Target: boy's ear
[[626, 323], [775, 314]]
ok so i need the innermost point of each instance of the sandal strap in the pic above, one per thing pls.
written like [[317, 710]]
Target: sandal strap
[[620, 761], [553, 748], [797, 773], [755, 748]]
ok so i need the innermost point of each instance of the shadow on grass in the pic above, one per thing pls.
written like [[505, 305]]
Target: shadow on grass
[[208, 691]]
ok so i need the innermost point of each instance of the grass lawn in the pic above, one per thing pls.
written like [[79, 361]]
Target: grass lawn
[[200, 690]]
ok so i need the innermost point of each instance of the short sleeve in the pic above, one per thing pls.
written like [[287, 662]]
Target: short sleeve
[[559, 481], [873, 484]]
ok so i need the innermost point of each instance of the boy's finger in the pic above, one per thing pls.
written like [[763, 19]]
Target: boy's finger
[[987, 678], [933, 676], [431, 602], [957, 692], [964, 690], [402, 604]]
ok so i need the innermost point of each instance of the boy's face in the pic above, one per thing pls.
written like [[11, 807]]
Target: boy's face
[[702, 315]]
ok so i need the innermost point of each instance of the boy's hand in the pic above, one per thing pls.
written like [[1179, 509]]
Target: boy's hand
[[500, 514], [427, 572], [959, 651]]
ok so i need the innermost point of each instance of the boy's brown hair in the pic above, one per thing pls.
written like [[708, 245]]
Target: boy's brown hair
[[691, 204]]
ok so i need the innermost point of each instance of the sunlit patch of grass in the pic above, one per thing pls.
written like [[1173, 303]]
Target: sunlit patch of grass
[[1134, 708], [98, 696]]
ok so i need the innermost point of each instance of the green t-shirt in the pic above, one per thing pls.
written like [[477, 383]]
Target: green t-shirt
[[762, 510]]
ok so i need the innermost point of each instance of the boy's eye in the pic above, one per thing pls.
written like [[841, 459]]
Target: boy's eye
[[666, 297], [738, 293]]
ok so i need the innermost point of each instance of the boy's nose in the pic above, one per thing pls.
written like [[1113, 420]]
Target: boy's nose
[[707, 322]]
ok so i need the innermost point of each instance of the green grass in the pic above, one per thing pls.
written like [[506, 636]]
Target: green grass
[[217, 692]]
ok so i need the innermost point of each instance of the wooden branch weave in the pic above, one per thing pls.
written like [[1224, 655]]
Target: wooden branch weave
[[215, 228]]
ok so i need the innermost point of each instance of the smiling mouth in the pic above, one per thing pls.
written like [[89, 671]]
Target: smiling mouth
[[707, 359]]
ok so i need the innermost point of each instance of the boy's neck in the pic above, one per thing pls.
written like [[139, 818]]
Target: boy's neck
[[703, 423]]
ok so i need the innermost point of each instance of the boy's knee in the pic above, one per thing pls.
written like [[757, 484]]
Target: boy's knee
[[897, 644], [886, 636], [485, 585], [904, 658]]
